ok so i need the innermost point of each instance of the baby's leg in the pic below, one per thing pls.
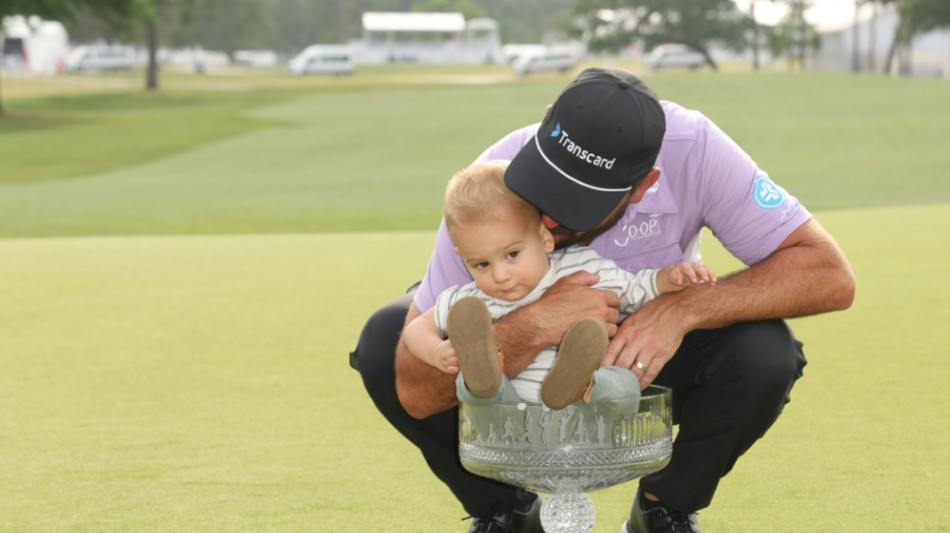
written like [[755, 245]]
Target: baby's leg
[[614, 383], [470, 330], [580, 353]]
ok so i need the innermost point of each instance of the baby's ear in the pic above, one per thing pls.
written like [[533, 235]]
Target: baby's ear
[[547, 239], [457, 252]]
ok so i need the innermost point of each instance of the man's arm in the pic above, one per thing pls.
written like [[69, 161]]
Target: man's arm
[[806, 275], [424, 391]]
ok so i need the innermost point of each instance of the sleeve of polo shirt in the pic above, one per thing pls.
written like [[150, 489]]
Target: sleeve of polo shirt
[[749, 214], [508, 147], [445, 270]]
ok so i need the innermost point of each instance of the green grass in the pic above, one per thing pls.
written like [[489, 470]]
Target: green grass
[[364, 154], [69, 136], [175, 322], [201, 384], [184, 384]]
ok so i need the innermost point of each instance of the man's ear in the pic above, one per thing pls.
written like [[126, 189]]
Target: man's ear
[[549, 222], [648, 181]]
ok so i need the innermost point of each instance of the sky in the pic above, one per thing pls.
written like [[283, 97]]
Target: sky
[[824, 14]]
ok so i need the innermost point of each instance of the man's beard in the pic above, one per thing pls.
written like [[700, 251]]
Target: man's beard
[[564, 237]]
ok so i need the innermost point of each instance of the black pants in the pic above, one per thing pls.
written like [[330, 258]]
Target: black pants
[[729, 386]]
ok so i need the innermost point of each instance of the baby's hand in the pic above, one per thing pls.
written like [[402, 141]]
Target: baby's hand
[[686, 274], [445, 356]]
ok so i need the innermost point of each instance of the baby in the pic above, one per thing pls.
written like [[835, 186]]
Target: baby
[[510, 255]]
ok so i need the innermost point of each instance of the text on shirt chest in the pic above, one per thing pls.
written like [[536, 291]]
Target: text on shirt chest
[[638, 229]]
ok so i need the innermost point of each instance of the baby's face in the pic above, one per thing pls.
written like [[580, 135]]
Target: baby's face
[[506, 257]]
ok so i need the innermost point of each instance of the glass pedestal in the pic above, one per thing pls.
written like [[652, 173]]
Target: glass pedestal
[[567, 453]]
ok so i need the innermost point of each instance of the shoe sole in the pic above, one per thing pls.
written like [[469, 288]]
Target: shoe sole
[[470, 330], [579, 355]]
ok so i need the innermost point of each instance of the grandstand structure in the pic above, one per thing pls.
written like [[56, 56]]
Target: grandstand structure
[[436, 38]]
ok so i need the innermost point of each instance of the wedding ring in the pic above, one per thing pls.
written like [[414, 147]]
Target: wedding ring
[[641, 366]]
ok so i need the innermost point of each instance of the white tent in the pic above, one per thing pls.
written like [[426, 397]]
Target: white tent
[[33, 45], [413, 22], [437, 37]]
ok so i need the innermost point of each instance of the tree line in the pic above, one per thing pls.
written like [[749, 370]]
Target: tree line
[[607, 26]]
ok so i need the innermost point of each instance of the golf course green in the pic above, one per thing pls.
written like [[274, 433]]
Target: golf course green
[[184, 273]]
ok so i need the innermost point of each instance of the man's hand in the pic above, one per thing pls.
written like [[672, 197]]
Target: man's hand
[[647, 339], [572, 298]]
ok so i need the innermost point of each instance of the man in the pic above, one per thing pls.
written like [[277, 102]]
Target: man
[[636, 179]]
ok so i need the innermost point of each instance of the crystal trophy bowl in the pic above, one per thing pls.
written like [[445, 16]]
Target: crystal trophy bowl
[[569, 452]]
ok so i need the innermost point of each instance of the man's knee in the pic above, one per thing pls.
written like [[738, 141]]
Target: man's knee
[[376, 347], [767, 357]]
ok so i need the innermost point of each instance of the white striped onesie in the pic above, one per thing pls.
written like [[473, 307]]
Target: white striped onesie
[[634, 290]]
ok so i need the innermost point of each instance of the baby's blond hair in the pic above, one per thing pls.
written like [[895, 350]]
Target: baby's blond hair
[[478, 193]]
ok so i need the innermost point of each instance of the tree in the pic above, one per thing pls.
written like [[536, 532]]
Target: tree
[[63, 10], [153, 16], [916, 17], [872, 36], [613, 24], [526, 21], [926, 15], [793, 37], [855, 37], [224, 25], [871, 25], [127, 18], [758, 35]]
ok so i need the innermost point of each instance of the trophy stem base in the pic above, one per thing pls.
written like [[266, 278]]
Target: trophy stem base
[[568, 513]]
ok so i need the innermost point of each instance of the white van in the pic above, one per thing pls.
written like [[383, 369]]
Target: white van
[[100, 57], [674, 55], [547, 61], [323, 59]]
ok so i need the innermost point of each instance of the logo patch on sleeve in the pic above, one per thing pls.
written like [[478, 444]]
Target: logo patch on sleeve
[[767, 194]]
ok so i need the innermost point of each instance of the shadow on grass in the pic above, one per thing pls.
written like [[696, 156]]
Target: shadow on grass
[[16, 121], [92, 133]]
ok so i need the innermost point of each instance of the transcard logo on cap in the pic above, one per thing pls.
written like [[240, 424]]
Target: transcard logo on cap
[[580, 152]]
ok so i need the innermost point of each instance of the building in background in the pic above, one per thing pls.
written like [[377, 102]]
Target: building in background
[[867, 45], [32, 45], [436, 38]]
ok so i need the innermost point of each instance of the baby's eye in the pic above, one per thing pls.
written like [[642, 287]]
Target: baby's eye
[[513, 254], [482, 265]]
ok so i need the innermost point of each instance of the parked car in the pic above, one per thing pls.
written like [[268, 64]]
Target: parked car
[[100, 57], [674, 56], [323, 59], [547, 61]]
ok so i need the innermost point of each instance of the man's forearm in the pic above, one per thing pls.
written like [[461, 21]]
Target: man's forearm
[[808, 275], [519, 339], [423, 390]]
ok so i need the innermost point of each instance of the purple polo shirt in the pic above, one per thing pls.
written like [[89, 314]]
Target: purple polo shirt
[[706, 180]]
